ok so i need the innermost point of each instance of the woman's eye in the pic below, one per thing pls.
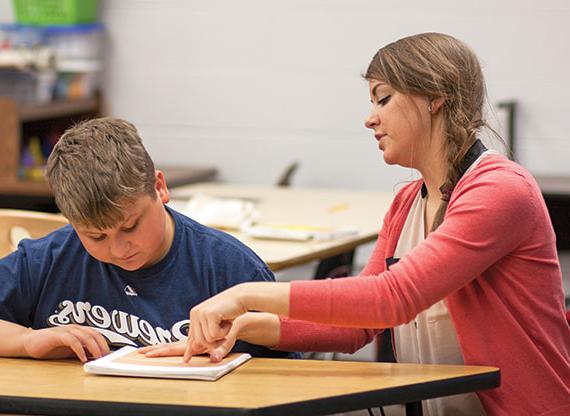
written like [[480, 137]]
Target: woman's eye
[[384, 101]]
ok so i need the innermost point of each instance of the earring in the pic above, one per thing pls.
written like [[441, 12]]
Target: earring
[[430, 108]]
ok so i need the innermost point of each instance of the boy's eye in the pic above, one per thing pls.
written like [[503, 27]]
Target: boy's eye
[[384, 101], [131, 228], [97, 238]]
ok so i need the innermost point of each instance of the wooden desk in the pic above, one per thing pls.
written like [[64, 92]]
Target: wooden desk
[[363, 211], [262, 386]]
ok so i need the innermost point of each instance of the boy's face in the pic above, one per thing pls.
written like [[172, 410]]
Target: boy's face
[[142, 239]]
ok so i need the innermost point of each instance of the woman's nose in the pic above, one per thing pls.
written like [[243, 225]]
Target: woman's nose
[[371, 121]]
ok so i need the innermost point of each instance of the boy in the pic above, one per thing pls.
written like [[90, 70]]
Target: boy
[[127, 269]]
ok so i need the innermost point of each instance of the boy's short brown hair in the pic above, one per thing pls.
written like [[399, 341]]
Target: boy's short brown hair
[[96, 167]]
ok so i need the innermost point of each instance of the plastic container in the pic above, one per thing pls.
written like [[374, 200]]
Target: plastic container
[[78, 50], [75, 41], [73, 85], [77, 79], [21, 36], [55, 12], [27, 87], [45, 84]]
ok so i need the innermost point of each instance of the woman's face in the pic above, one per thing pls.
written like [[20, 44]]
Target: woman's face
[[401, 125]]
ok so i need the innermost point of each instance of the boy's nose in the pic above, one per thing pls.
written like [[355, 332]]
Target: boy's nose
[[120, 248]]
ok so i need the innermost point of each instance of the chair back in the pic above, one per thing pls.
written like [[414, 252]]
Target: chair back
[[16, 225]]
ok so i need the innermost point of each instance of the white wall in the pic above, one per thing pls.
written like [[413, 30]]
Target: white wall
[[250, 85], [6, 13]]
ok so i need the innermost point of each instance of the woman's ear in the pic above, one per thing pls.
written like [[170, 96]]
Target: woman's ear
[[435, 105]]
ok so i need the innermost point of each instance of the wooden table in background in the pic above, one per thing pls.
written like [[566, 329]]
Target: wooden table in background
[[361, 210], [261, 386]]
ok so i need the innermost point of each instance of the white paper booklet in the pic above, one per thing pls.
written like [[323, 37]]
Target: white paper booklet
[[298, 232], [127, 361]]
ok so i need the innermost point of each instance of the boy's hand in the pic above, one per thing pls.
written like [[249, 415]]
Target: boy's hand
[[217, 351], [170, 349], [64, 342]]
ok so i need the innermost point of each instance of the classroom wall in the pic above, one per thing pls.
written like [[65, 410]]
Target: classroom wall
[[251, 85], [6, 13]]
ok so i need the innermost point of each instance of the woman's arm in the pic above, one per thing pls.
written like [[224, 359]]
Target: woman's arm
[[259, 328], [310, 336], [253, 327], [489, 217], [212, 320]]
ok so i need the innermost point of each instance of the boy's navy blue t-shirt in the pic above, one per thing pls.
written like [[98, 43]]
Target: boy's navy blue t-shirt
[[53, 281]]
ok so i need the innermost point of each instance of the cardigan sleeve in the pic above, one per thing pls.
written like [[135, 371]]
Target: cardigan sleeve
[[299, 335], [309, 336], [488, 216]]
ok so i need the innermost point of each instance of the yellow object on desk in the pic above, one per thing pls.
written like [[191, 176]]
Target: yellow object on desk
[[338, 207]]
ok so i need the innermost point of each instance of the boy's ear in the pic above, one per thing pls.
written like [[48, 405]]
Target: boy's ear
[[161, 188]]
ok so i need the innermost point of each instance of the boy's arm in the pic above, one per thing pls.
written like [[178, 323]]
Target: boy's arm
[[17, 293], [50, 343], [12, 336]]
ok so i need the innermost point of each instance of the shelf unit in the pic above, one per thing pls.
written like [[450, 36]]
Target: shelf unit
[[16, 192]]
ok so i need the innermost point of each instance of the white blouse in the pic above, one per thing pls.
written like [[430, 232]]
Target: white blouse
[[430, 338]]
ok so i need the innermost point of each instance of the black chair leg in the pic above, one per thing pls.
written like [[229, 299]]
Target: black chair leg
[[385, 350], [340, 265], [414, 409]]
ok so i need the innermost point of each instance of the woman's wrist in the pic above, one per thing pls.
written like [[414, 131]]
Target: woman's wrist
[[259, 328], [271, 297]]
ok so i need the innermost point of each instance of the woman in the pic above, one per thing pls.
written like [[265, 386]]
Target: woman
[[465, 268]]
